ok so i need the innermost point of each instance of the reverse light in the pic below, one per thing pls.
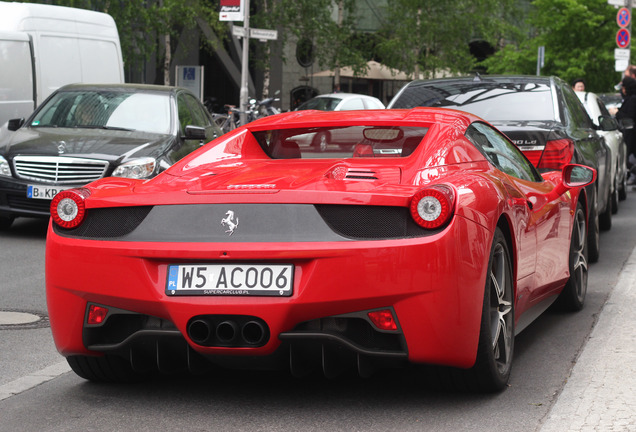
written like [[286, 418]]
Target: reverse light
[[383, 319], [557, 154], [68, 208], [433, 207], [141, 168], [96, 314]]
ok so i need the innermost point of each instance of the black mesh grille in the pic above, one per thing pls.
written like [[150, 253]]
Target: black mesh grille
[[23, 203], [107, 222], [371, 222]]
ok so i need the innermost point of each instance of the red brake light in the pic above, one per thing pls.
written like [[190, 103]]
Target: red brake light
[[433, 207], [534, 156], [383, 319], [68, 209], [557, 154], [96, 314]]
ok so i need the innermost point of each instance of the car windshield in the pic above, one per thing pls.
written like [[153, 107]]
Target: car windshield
[[491, 101], [340, 142], [321, 103], [147, 112]]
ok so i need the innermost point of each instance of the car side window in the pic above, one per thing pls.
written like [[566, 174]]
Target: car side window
[[185, 115], [501, 152], [198, 115], [352, 104]]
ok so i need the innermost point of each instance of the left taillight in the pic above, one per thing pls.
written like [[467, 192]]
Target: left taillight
[[68, 208], [433, 207], [557, 154]]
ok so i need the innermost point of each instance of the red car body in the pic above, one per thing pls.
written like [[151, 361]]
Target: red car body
[[362, 288]]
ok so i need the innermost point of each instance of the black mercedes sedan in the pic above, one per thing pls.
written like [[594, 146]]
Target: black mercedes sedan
[[85, 132], [542, 116]]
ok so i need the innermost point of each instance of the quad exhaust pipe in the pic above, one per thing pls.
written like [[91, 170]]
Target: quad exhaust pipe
[[222, 331]]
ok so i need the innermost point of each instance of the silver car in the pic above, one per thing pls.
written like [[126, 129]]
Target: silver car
[[335, 102], [595, 108]]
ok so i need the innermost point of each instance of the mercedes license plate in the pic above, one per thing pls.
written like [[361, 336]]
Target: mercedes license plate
[[230, 279], [43, 192]]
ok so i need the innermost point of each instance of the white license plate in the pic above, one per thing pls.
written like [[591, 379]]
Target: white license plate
[[230, 279], [43, 192]]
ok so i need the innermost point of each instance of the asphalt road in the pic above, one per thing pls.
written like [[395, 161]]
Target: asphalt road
[[261, 401]]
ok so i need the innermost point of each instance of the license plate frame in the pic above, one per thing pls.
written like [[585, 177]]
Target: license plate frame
[[44, 192], [224, 279]]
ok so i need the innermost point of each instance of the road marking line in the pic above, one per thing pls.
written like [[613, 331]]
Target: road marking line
[[33, 380]]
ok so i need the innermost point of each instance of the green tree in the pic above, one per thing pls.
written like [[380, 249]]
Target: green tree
[[579, 39], [430, 36], [317, 21]]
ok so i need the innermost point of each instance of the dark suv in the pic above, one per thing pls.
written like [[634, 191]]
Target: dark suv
[[542, 116]]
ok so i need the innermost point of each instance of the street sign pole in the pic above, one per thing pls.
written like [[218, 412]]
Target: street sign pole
[[244, 94]]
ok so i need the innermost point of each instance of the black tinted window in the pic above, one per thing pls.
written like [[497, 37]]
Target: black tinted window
[[576, 110], [489, 100], [501, 153]]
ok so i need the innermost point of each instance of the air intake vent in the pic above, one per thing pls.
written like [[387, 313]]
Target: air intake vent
[[390, 175], [361, 174]]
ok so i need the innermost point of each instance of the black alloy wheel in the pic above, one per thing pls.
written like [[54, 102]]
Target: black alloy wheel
[[572, 298], [491, 371]]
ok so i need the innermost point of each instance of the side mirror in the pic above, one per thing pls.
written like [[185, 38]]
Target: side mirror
[[195, 133], [578, 175], [607, 123], [572, 176], [15, 124], [626, 123]]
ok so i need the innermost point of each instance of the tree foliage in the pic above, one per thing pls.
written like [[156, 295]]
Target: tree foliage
[[435, 35], [316, 20], [579, 41]]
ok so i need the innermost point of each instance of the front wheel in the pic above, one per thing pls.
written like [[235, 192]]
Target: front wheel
[[572, 297], [491, 371]]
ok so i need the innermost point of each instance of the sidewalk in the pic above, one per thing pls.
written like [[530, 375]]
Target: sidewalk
[[600, 394]]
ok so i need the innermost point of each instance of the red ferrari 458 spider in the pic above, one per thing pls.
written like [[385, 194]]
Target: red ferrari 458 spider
[[431, 240]]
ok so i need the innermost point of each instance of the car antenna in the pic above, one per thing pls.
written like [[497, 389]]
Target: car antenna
[[477, 77]]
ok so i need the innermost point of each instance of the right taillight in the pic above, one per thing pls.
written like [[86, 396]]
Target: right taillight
[[557, 154], [68, 209], [433, 207]]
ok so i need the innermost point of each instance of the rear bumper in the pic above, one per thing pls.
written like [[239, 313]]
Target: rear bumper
[[433, 284]]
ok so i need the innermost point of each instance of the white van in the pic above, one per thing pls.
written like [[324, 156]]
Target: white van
[[44, 47]]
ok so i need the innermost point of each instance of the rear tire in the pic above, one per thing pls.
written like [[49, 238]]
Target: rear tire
[[106, 369], [605, 218], [491, 371], [572, 298], [320, 141], [622, 189], [593, 236]]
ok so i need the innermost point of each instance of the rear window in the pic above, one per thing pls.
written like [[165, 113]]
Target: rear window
[[340, 142], [488, 100]]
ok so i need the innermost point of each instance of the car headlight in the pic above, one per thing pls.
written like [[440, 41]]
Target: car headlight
[[5, 170], [137, 169]]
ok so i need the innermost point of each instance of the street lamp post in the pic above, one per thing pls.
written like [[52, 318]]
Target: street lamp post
[[244, 94]]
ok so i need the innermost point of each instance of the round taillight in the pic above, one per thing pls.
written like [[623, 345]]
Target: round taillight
[[68, 209], [431, 208]]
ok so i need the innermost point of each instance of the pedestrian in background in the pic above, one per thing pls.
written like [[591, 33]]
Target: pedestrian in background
[[627, 115], [578, 85]]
